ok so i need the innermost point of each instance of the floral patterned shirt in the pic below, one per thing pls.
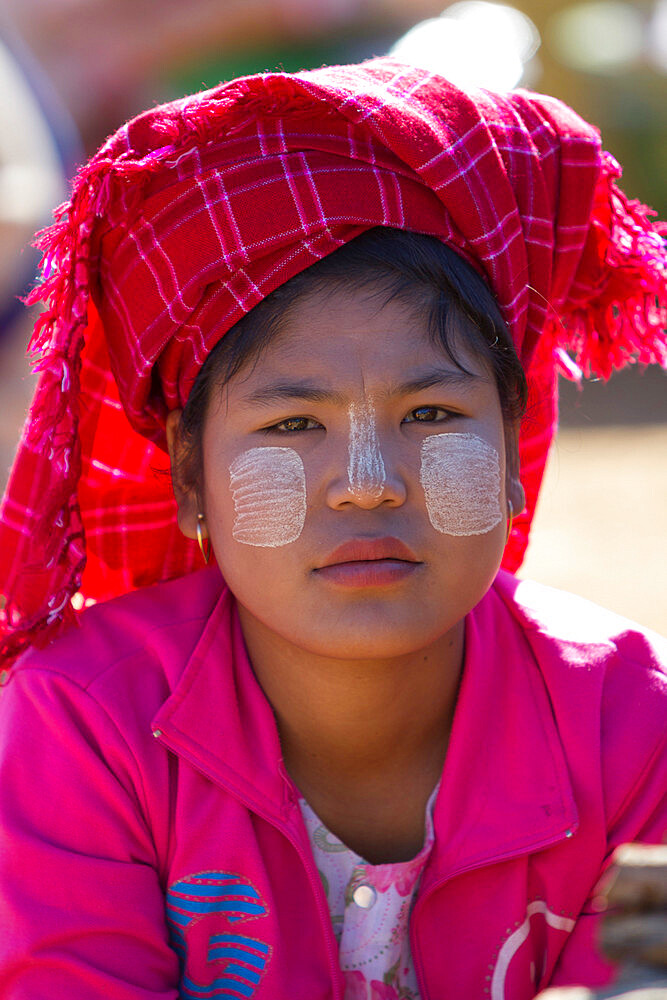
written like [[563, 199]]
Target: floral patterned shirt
[[370, 908]]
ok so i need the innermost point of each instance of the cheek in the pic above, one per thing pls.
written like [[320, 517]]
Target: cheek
[[268, 487], [460, 474]]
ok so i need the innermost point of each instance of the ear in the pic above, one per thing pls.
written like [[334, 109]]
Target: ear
[[186, 496], [513, 487]]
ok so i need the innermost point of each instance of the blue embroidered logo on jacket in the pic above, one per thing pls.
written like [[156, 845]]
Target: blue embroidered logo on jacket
[[202, 911]]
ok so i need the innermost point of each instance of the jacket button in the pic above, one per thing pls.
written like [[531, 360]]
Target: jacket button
[[157, 733], [364, 896]]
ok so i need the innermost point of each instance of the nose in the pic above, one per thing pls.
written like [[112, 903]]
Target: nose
[[366, 494], [369, 480]]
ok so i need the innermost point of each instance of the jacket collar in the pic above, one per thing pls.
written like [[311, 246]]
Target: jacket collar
[[219, 719], [505, 788]]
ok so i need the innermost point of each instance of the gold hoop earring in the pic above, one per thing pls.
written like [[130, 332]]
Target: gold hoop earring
[[204, 548], [510, 521]]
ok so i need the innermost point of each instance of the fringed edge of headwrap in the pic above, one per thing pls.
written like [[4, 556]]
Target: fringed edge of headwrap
[[52, 426], [118, 175], [617, 312]]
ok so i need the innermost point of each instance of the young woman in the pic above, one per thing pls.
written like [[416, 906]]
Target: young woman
[[352, 756]]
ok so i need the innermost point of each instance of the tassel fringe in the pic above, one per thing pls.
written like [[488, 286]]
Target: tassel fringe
[[618, 311]]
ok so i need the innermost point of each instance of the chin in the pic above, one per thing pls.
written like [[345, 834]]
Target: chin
[[370, 640]]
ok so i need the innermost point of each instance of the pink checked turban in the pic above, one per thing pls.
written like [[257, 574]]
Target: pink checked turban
[[195, 211]]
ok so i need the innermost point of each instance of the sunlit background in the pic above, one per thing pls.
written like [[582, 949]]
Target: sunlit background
[[72, 70]]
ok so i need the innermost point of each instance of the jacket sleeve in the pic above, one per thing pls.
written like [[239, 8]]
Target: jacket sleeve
[[634, 778], [81, 906]]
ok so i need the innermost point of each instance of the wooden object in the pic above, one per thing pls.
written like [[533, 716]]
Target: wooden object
[[634, 929]]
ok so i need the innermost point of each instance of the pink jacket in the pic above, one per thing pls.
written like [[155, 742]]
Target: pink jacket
[[152, 845]]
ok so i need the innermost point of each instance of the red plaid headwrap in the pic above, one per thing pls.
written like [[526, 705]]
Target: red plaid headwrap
[[193, 212]]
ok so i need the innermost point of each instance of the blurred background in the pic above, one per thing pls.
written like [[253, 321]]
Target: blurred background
[[71, 71]]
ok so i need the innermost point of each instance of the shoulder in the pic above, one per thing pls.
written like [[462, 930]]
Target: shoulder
[[607, 681], [128, 651], [578, 633], [577, 642], [161, 622]]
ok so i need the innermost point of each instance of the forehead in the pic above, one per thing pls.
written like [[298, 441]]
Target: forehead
[[339, 333]]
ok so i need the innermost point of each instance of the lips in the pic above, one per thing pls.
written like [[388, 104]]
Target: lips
[[368, 562], [369, 550]]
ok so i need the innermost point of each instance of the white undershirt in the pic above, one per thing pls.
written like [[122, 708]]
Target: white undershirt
[[370, 908]]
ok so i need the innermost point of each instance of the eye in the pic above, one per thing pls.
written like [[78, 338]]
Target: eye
[[292, 425], [426, 414]]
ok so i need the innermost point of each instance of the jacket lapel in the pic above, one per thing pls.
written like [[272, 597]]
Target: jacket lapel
[[219, 719], [505, 788]]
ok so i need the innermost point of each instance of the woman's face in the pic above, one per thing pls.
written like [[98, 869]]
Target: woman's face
[[354, 485]]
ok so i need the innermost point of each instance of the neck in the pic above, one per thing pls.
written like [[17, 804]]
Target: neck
[[362, 739]]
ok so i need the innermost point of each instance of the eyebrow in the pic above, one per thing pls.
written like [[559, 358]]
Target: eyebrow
[[448, 378], [276, 392]]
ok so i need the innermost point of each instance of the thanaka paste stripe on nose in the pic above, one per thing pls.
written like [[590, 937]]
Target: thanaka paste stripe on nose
[[365, 471]]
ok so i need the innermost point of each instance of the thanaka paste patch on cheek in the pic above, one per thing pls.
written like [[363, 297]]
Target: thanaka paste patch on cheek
[[268, 488], [365, 468], [460, 474]]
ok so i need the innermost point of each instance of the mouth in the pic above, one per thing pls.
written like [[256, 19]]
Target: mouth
[[363, 562]]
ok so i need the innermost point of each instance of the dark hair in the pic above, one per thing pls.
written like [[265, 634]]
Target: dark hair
[[416, 269]]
